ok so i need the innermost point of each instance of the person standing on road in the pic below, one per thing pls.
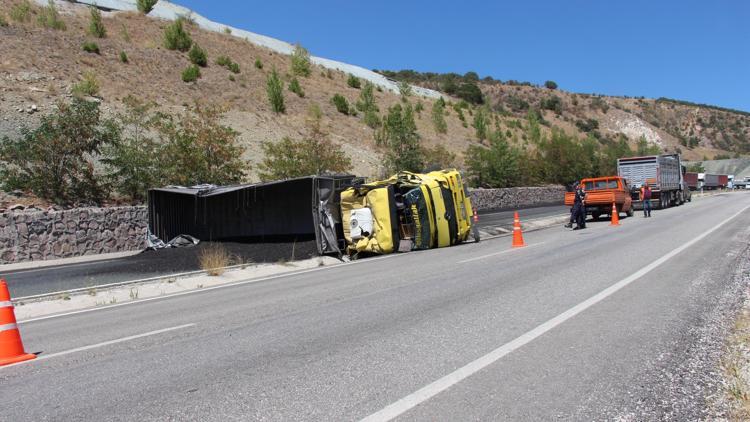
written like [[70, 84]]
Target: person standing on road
[[581, 201], [646, 199], [573, 213]]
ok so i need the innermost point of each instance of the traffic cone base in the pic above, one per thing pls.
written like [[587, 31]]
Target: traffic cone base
[[517, 232], [11, 346], [615, 216]]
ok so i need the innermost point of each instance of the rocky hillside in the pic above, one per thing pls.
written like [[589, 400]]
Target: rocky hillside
[[40, 66], [698, 131]]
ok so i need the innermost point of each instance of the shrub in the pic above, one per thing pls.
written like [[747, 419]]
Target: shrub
[[96, 26], [495, 166], [295, 87], [198, 56], [232, 78], [123, 57], [301, 65], [55, 160], [3, 22], [88, 86], [176, 38], [191, 74], [481, 123], [470, 92], [234, 67], [275, 92], [438, 158], [553, 103], [49, 17], [124, 33], [404, 89], [213, 259], [550, 85], [227, 30], [354, 82], [438, 116], [199, 149], [91, 47], [145, 6], [21, 12], [419, 107], [258, 64], [340, 103], [223, 61]]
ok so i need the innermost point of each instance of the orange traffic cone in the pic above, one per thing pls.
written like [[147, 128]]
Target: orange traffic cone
[[615, 216], [517, 234], [11, 346]]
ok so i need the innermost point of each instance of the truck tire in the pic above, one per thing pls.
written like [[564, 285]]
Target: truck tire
[[630, 212], [595, 215]]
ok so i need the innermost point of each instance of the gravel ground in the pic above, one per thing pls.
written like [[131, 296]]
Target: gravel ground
[[688, 381]]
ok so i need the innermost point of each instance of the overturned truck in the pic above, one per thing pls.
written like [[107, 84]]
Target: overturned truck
[[342, 214]]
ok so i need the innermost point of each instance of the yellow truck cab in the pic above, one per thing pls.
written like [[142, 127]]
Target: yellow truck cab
[[408, 211]]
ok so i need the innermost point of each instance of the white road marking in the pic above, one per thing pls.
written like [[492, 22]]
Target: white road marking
[[499, 253], [106, 343], [427, 392], [220, 286]]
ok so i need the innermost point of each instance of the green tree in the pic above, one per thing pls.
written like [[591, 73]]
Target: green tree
[[197, 148], [301, 65], [366, 104], [696, 167], [404, 89], [401, 140], [644, 148], [96, 26], [493, 166], [438, 158], [133, 160], [481, 123], [191, 73], [145, 6], [198, 56], [438, 116], [176, 38], [550, 85], [313, 155], [56, 160], [275, 91]]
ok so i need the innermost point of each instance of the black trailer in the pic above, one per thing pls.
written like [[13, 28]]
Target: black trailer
[[302, 208]]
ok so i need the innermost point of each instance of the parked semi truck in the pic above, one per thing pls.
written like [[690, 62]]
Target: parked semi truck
[[691, 179], [708, 181], [664, 175]]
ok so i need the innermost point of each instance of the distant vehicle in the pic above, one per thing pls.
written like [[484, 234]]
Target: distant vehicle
[[730, 181], [723, 181], [691, 179], [708, 181], [663, 173], [601, 193]]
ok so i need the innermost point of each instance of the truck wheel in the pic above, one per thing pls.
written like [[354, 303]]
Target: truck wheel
[[630, 212], [596, 215]]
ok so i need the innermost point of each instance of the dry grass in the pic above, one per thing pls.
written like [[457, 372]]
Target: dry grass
[[736, 366], [214, 258]]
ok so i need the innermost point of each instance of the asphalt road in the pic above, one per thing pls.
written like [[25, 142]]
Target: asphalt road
[[35, 281], [592, 324]]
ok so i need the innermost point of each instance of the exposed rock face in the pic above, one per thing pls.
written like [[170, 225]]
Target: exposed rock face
[[40, 235], [491, 199]]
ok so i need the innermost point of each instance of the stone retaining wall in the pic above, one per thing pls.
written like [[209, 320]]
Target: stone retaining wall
[[507, 198], [41, 235]]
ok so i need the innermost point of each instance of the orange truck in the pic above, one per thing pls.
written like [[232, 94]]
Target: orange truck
[[601, 193]]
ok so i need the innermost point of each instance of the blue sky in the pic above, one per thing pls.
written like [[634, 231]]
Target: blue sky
[[691, 50]]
